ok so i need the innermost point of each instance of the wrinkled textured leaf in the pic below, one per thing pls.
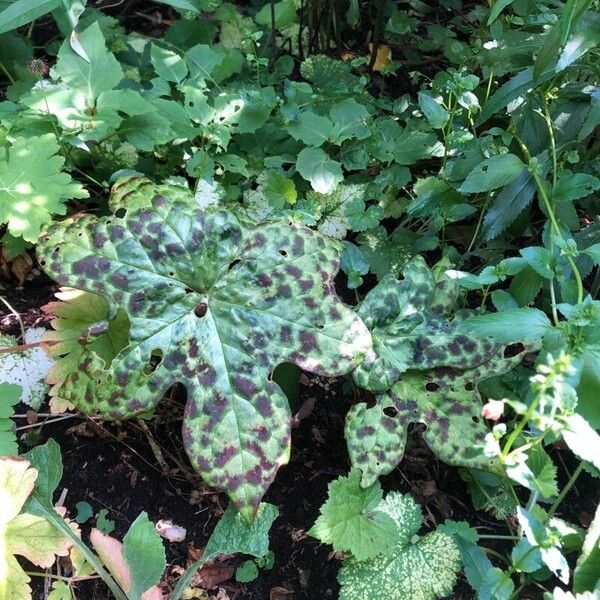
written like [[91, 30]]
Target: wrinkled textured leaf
[[26, 368], [421, 570], [215, 304], [32, 185], [350, 522]]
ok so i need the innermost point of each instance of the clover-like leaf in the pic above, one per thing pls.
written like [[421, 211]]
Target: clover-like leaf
[[408, 319], [446, 400], [424, 569], [213, 303]]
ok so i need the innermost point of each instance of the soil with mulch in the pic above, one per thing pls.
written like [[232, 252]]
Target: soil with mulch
[[113, 466]]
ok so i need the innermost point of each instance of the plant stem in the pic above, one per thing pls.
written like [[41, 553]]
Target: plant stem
[[566, 489], [17, 315]]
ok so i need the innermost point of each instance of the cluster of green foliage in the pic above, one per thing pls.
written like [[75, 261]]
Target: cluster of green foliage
[[228, 169]]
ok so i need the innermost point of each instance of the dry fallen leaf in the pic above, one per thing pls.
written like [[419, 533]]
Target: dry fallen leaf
[[171, 532], [210, 576], [383, 58], [279, 593]]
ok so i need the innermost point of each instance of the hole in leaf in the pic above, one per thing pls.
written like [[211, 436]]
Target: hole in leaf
[[469, 386], [319, 325], [42, 263], [232, 264], [46, 238], [80, 234], [390, 411], [156, 357], [513, 349], [189, 291], [121, 212], [171, 274], [475, 419], [200, 310], [283, 253], [57, 249], [431, 386]]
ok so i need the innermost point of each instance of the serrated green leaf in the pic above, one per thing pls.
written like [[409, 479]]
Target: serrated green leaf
[[420, 570], [434, 112], [540, 260], [10, 395], [32, 185], [350, 522], [205, 311], [574, 186]]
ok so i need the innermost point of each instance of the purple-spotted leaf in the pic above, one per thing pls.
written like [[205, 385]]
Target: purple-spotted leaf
[[409, 320], [445, 400], [215, 304]]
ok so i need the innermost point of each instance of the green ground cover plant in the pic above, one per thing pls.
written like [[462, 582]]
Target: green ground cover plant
[[402, 197]]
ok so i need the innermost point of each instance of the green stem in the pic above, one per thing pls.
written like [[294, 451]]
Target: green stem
[[566, 489], [6, 72], [499, 537]]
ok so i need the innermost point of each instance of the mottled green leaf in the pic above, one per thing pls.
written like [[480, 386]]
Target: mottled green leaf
[[421, 569], [215, 304]]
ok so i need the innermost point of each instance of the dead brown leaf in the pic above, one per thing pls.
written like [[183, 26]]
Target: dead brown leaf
[[279, 593], [210, 576]]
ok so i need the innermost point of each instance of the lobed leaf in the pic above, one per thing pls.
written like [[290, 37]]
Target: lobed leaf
[[213, 303]]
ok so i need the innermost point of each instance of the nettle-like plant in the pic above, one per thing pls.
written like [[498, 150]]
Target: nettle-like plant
[[426, 370], [403, 565], [215, 303]]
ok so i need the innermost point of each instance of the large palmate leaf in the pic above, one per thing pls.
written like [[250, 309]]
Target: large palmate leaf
[[409, 322], [445, 399], [215, 304], [416, 569], [33, 186]]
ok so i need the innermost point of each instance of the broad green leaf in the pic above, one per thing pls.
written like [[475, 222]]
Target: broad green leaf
[[410, 327], [168, 64], [22, 12], [323, 173], [349, 120], [519, 324], [583, 440], [412, 146], [285, 14], [423, 569], [434, 112], [536, 472], [593, 252], [213, 303], [587, 571], [84, 511], [47, 460], [32, 185], [350, 521], [310, 128], [574, 186], [10, 394], [144, 553], [445, 399], [100, 72], [26, 368], [492, 173]]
